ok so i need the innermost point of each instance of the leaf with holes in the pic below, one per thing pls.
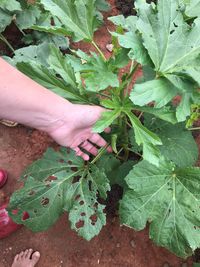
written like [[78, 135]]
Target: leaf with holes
[[168, 198], [57, 182], [178, 144], [173, 48]]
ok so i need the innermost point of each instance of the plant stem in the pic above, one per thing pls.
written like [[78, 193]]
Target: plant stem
[[105, 95], [139, 117], [99, 50], [126, 150], [133, 69], [101, 152], [7, 43], [194, 129]]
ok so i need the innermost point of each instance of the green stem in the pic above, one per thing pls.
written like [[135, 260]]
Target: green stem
[[101, 152], [133, 69], [99, 50], [7, 43], [126, 150], [194, 129], [105, 95]]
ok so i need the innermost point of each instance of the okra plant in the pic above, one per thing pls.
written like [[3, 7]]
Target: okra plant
[[154, 153]]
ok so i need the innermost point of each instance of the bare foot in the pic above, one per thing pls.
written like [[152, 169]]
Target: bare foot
[[24, 259]]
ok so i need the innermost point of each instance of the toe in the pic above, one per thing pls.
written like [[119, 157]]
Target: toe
[[21, 254], [35, 258], [30, 251], [26, 253], [16, 258]]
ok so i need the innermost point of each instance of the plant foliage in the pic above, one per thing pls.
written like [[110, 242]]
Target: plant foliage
[[154, 152]]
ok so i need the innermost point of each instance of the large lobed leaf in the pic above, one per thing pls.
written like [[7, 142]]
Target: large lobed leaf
[[57, 182], [172, 45], [178, 144], [168, 198], [79, 18]]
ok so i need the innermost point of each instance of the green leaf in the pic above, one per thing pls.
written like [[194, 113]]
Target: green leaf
[[184, 108], [59, 181], [28, 16], [10, 5], [78, 17], [147, 138], [102, 5], [161, 91], [32, 53], [106, 120], [5, 19], [165, 113], [131, 39], [49, 80], [60, 65], [114, 169], [98, 73], [167, 198], [178, 146], [171, 42], [192, 8]]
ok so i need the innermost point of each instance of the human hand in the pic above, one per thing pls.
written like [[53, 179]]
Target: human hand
[[74, 130]]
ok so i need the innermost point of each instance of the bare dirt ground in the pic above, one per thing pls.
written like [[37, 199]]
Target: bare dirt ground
[[59, 246]]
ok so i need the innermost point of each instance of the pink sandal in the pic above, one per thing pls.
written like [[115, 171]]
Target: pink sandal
[[7, 226], [3, 177]]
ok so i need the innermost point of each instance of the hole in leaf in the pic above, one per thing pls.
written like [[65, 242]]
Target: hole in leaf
[[77, 197], [68, 150], [195, 227], [31, 193], [51, 178], [59, 195], [25, 216], [35, 211], [171, 32], [83, 214], [45, 201], [81, 202], [90, 185], [74, 169], [93, 218], [69, 162], [95, 205], [76, 179], [175, 25], [79, 224]]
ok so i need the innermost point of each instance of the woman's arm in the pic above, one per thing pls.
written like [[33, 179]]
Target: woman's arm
[[24, 101]]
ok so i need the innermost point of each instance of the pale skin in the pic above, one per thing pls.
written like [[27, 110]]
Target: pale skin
[[24, 101]]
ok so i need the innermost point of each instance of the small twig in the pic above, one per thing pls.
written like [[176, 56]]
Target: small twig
[[194, 129], [99, 50], [6, 42], [101, 152], [139, 117]]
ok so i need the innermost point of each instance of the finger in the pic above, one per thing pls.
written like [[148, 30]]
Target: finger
[[99, 141], [81, 153], [107, 130], [89, 147]]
